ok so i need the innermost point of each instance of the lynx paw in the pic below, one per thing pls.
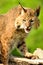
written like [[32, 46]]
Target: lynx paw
[[31, 56]]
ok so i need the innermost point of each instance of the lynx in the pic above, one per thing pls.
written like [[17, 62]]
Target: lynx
[[15, 25]]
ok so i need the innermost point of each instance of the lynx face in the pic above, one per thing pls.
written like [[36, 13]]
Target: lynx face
[[27, 19]]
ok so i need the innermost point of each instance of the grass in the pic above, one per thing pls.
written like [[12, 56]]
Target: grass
[[35, 38]]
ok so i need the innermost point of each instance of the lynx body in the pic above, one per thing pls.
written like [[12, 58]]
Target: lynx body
[[14, 27]]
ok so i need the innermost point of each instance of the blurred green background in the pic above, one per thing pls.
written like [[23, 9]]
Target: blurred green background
[[35, 38]]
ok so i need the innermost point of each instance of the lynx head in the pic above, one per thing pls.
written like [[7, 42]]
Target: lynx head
[[27, 18]]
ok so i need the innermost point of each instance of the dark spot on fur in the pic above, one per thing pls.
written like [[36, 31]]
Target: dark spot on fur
[[20, 44]]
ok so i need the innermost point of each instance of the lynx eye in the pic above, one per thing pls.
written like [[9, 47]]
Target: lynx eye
[[18, 26], [24, 20], [31, 20]]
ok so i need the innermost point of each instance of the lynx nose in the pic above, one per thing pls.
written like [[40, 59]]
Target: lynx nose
[[28, 28]]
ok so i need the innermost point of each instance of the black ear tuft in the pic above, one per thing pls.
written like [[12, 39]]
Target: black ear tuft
[[37, 11], [24, 10], [22, 7]]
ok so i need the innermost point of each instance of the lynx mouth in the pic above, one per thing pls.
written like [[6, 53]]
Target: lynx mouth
[[27, 29]]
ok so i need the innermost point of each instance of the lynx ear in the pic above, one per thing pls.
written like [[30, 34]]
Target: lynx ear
[[22, 12], [37, 11]]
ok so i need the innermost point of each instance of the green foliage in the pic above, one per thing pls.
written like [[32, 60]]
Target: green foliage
[[35, 38]]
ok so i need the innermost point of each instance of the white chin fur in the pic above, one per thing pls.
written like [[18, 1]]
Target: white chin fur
[[26, 31], [23, 26]]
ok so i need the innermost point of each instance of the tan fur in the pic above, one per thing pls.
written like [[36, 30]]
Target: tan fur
[[9, 36]]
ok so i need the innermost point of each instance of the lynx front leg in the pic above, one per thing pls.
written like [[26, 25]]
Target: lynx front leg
[[5, 55], [4, 51], [22, 47]]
